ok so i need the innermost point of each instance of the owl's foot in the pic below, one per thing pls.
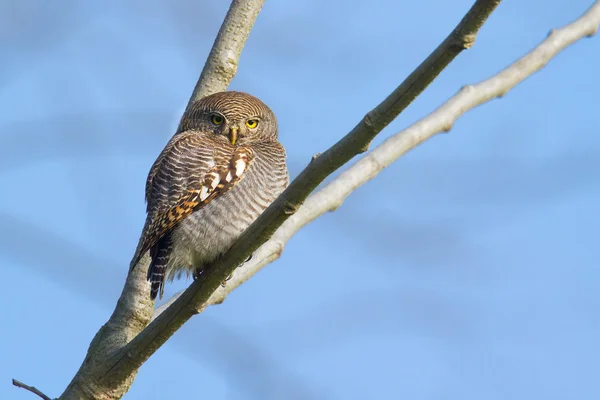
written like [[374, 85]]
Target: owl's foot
[[230, 275]]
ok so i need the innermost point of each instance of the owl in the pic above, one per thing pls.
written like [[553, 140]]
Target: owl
[[214, 177]]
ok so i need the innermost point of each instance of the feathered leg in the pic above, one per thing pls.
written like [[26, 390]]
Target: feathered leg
[[159, 253]]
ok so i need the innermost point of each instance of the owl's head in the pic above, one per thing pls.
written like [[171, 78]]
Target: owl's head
[[236, 116]]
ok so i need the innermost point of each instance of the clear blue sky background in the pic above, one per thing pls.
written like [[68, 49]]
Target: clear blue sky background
[[467, 270]]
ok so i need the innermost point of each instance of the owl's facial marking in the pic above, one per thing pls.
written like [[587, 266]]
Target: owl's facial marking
[[221, 111]]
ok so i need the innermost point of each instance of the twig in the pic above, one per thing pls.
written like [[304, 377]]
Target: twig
[[196, 297], [32, 389]]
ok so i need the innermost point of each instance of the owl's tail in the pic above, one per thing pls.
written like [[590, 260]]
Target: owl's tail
[[159, 253]]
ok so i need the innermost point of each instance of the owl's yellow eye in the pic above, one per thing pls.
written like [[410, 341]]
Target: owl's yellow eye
[[217, 119], [252, 123]]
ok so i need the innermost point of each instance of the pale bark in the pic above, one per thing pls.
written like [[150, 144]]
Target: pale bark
[[222, 62], [124, 343]]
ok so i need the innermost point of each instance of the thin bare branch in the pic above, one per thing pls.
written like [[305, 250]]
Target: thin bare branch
[[196, 297], [333, 195], [221, 65], [32, 389]]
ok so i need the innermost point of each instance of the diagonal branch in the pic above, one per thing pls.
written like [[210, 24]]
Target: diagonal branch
[[196, 297], [222, 62], [333, 195]]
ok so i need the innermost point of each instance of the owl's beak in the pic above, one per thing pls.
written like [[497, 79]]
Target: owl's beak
[[233, 134]]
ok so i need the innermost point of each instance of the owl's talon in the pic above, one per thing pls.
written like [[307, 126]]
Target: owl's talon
[[249, 258]]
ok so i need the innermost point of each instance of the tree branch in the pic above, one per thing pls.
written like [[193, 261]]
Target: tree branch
[[134, 308], [222, 62], [119, 367], [196, 297], [32, 389], [333, 195]]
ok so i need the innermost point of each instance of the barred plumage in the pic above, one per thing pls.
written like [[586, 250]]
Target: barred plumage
[[212, 180]]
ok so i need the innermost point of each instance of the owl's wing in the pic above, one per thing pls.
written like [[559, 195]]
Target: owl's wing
[[188, 174], [156, 167]]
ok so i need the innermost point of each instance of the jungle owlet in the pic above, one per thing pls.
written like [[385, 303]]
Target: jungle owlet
[[211, 181]]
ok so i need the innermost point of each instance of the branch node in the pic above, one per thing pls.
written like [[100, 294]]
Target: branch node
[[335, 206], [315, 156], [368, 121], [467, 41], [279, 250], [203, 306], [467, 89], [447, 127], [289, 208]]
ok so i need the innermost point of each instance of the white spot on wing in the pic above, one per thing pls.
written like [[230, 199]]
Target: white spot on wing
[[203, 193], [240, 166], [228, 177], [215, 181]]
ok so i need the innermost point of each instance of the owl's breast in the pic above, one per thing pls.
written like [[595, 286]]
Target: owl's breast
[[211, 231]]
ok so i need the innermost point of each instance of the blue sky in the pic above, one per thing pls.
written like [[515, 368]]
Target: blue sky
[[467, 270]]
